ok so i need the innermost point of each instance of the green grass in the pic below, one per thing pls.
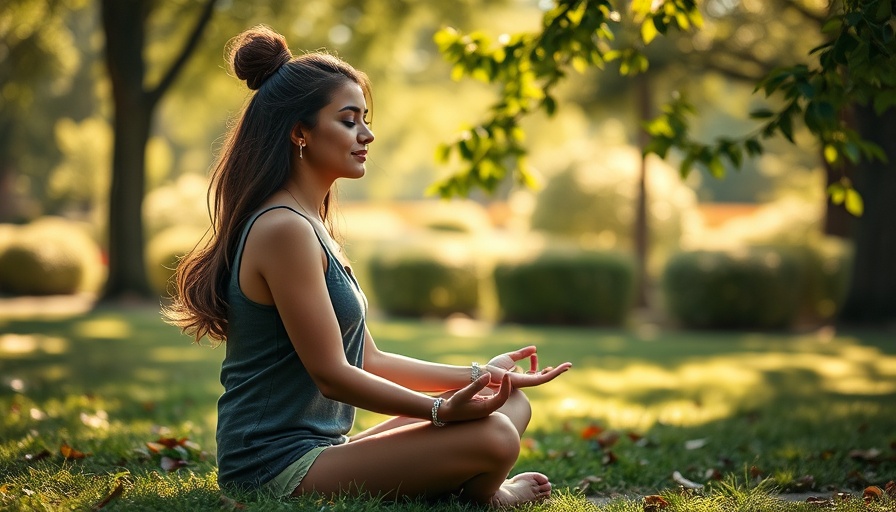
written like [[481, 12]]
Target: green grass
[[747, 414]]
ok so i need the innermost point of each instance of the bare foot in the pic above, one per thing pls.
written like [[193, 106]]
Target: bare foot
[[522, 488]]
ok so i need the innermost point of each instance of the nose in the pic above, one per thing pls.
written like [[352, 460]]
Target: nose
[[365, 136]]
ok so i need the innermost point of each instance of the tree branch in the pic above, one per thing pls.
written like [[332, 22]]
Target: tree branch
[[192, 41]]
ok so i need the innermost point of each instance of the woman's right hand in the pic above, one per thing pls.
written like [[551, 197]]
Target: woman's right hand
[[467, 404]]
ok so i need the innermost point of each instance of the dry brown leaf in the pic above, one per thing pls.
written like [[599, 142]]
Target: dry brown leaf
[[116, 492], [70, 453], [607, 438], [755, 472], [586, 482], [34, 457], [870, 455], [609, 458], [170, 464], [872, 493], [684, 482], [654, 502], [891, 488], [819, 502]]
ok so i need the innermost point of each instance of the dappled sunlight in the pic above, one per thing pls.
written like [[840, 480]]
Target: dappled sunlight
[[707, 389], [103, 328], [12, 345], [177, 354]]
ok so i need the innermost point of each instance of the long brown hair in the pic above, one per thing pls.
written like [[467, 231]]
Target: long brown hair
[[254, 162]]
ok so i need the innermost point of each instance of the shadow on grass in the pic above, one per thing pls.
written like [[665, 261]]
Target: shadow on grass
[[811, 411]]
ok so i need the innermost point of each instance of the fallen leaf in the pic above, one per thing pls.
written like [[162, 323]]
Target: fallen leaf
[[870, 455], [843, 496], [34, 457], [654, 502], [116, 492], [586, 482], [819, 502], [70, 453], [591, 431], [609, 458], [607, 438], [872, 493], [170, 464], [891, 488], [684, 482], [695, 444], [155, 447], [755, 472]]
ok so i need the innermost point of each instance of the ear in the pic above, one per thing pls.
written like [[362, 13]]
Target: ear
[[296, 135]]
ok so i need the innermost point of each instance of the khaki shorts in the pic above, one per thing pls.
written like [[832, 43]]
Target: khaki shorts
[[286, 482]]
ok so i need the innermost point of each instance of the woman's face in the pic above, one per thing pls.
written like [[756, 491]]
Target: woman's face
[[337, 145]]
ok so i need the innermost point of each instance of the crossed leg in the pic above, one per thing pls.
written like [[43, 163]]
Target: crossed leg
[[404, 457]]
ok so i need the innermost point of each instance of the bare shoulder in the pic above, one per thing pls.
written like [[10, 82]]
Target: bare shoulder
[[282, 239]]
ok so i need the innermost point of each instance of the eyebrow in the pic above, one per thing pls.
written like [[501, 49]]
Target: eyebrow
[[353, 109]]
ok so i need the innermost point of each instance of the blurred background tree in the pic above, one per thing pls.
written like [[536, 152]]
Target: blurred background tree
[[57, 137], [841, 90]]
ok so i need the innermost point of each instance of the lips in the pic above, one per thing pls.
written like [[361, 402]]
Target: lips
[[360, 155]]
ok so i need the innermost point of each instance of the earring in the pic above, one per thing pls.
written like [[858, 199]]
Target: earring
[[301, 145]]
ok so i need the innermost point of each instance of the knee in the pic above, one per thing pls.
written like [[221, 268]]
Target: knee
[[500, 439]]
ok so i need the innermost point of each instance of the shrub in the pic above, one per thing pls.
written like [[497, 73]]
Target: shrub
[[757, 288], [593, 203], [433, 280], [165, 250], [826, 264], [566, 287], [51, 256]]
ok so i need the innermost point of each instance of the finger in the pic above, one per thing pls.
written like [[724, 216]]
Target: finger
[[522, 353], [533, 363], [470, 390], [503, 392], [545, 375]]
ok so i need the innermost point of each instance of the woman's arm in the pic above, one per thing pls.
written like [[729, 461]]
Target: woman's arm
[[413, 373], [284, 251]]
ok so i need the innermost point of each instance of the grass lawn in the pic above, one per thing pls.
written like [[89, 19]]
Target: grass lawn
[[745, 414]]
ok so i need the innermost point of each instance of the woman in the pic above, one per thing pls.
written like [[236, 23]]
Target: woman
[[274, 285]]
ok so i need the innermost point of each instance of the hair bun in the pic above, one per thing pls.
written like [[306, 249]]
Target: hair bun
[[257, 54]]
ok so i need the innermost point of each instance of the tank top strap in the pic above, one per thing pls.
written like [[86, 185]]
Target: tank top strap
[[245, 234]]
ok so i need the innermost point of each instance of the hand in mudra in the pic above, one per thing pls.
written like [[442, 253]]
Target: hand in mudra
[[507, 364]]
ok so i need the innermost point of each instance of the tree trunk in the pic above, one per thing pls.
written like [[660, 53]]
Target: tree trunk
[[123, 24], [872, 294]]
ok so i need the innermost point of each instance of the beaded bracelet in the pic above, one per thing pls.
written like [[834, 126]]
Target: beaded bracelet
[[435, 412], [475, 371]]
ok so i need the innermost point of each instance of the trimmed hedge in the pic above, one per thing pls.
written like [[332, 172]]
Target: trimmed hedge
[[759, 288], [576, 287], [164, 251], [424, 281], [51, 256]]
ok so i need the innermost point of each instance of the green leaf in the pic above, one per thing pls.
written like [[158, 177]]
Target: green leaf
[[761, 113], [753, 147], [854, 203], [837, 193], [830, 154], [648, 31]]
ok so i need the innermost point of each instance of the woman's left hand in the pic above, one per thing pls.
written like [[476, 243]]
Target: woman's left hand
[[506, 364]]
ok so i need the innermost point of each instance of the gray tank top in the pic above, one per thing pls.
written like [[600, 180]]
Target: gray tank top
[[271, 413]]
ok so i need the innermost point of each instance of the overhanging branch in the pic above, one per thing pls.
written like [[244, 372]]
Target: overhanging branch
[[192, 41]]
